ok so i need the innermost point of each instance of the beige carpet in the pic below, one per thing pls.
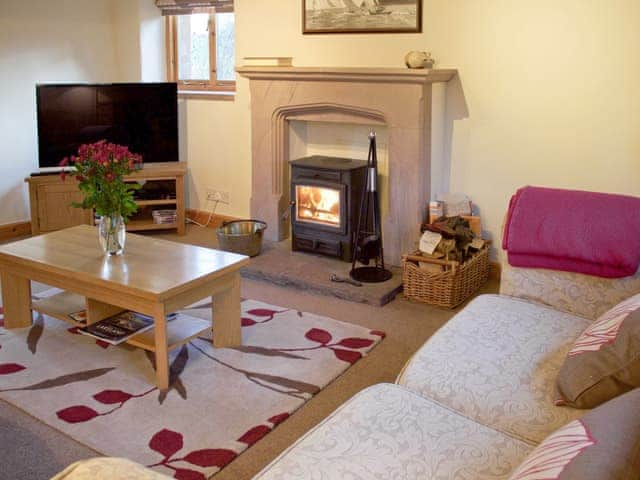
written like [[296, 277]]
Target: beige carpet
[[43, 451]]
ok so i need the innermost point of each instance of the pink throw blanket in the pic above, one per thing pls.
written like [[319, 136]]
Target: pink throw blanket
[[575, 231]]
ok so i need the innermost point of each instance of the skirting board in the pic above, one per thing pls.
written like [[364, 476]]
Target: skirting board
[[201, 216], [14, 230]]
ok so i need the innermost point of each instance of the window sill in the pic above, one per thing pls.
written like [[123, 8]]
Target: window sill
[[207, 95]]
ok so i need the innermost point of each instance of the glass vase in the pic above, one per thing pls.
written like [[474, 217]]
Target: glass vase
[[111, 233]]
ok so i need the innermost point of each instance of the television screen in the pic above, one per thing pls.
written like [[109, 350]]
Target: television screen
[[141, 116]]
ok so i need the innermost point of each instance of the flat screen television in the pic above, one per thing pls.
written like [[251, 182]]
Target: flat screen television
[[141, 116]]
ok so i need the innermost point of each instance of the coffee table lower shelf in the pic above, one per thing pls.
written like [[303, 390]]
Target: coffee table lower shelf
[[179, 331]]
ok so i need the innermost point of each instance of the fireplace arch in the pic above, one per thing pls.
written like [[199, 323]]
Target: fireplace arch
[[313, 112]]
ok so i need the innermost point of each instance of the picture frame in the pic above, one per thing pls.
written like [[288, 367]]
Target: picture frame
[[361, 16]]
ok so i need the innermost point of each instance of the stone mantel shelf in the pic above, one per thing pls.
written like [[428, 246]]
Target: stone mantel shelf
[[368, 74]]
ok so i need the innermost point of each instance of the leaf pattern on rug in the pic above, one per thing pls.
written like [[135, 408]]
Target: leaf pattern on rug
[[110, 397], [290, 387], [267, 352], [168, 443], [254, 434], [63, 380], [175, 369], [256, 350], [323, 337], [35, 332], [266, 315], [77, 414], [82, 413], [295, 385], [278, 419], [9, 368]]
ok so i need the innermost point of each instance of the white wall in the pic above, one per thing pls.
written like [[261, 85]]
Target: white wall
[[126, 39], [152, 42], [43, 41], [138, 41], [547, 94]]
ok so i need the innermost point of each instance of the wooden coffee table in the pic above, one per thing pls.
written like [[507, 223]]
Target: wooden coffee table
[[153, 276]]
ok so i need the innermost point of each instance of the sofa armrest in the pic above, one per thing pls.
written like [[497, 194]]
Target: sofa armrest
[[576, 293], [108, 468]]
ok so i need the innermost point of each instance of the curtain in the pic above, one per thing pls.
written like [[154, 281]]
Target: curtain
[[187, 7]]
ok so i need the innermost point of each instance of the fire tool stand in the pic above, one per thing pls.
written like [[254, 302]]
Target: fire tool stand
[[367, 240]]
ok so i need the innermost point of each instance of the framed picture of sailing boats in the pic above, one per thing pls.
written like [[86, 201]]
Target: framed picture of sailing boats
[[361, 16]]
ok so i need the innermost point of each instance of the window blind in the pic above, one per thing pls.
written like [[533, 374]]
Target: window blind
[[187, 7]]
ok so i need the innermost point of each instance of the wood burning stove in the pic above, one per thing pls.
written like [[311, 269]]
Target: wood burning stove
[[325, 193]]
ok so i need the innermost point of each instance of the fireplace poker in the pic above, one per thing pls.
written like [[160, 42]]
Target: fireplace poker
[[337, 279]]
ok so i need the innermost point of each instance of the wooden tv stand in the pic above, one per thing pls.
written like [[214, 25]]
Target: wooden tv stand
[[50, 200]]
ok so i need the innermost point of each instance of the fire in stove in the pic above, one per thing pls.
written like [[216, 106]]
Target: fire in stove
[[318, 205]]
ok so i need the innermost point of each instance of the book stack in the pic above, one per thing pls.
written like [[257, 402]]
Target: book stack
[[120, 327], [164, 216]]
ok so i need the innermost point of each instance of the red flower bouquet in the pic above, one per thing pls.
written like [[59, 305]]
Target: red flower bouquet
[[99, 169]]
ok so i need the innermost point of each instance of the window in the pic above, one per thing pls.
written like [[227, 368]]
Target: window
[[201, 51]]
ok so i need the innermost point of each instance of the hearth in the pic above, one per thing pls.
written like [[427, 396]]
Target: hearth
[[325, 193]]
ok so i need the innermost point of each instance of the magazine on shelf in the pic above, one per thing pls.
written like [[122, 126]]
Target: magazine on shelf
[[119, 328], [79, 317]]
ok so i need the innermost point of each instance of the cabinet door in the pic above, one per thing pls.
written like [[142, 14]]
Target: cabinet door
[[54, 206]]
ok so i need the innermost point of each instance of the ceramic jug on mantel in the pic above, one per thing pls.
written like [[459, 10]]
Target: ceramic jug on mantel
[[416, 59]]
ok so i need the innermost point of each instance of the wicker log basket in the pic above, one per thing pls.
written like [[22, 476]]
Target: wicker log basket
[[448, 288]]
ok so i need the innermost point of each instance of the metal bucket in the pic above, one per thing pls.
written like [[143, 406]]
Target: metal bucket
[[241, 236]]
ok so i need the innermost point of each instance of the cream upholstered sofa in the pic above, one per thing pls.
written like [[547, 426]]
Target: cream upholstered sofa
[[474, 400], [470, 404]]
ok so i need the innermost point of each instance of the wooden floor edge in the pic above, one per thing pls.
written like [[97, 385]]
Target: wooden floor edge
[[15, 230], [202, 217]]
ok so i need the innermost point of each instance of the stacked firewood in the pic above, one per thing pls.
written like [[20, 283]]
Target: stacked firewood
[[458, 241]]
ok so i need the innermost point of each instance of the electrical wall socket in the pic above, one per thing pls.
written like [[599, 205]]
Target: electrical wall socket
[[216, 195]]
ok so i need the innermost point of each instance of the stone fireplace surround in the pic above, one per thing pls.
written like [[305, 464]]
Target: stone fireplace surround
[[399, 99]]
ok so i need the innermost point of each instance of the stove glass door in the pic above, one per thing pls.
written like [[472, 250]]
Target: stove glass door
[[319, 205]]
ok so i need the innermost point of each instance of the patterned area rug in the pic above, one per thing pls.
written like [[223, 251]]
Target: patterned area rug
[[220, 401]]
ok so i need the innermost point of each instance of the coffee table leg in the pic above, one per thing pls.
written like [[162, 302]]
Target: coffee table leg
[[226, 314], [97, 310], [162, 352], [16, 300]]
